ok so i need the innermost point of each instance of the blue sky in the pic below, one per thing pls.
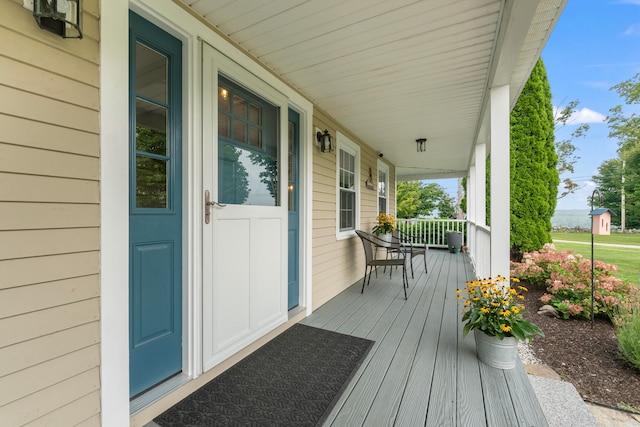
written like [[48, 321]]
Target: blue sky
[[594, 46]]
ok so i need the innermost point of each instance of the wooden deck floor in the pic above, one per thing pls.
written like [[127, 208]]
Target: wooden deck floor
[[420, 372]]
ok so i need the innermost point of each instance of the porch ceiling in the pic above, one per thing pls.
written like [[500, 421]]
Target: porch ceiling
[[394, 71]]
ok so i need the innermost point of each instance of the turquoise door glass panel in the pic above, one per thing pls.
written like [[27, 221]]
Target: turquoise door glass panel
[[293, 207], [155, 206]]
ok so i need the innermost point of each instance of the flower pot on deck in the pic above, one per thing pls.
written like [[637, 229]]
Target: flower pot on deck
[[454, 240], [385, 237], [497, 353]]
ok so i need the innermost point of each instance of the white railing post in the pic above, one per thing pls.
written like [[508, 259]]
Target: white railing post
[[432, 231]]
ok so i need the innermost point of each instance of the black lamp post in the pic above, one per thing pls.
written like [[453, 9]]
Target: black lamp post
[[593, 196]]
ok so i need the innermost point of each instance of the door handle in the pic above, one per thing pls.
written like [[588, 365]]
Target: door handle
[[207, 206]]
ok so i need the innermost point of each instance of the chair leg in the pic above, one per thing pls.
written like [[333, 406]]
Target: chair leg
[[372, 268], [411, 261], [405, 281], [364, 280], [425, 262]]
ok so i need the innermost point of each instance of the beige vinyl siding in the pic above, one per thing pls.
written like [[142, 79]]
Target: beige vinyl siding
[[339, 263], [49, 222]]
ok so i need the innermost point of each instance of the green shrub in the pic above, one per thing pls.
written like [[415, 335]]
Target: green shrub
[[627, 322]]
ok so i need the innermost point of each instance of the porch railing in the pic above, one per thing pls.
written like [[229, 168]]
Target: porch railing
[[432, 231]]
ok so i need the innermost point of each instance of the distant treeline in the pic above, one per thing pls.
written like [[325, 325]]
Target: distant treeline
[[571, 218]]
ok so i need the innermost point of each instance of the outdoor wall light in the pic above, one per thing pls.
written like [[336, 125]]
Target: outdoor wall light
[[61, 17], [422, 144], [324, 141]]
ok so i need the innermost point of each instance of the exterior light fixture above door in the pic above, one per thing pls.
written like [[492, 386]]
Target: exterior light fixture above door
[[61, 17], [421, 144]]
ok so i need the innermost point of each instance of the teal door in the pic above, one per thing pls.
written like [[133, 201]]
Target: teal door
[[294, 204], [155, 206]]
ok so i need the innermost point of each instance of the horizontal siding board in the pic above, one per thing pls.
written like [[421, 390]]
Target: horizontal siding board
[[26, 160], [30, 216], [41, 403], [20, 131], [36, 378], [32, 325], [29, 353], [46, 110], [93, 421], [32, 243], [32, 188], [28, 271], [25, 299], [47, 57], [72, 414], [26, 77]]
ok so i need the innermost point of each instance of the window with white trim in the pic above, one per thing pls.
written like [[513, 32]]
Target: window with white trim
[[383, 187], [348, 198]]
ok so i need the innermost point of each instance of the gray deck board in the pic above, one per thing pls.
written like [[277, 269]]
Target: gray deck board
[[420, 371]]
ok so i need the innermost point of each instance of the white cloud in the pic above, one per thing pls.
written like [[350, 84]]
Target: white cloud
[[633, 30], [583, 115]]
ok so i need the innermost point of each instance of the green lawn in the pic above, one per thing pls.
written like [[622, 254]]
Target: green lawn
[[619, 238], [627, 259]]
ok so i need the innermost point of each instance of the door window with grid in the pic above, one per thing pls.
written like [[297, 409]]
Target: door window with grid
[[248, 167]]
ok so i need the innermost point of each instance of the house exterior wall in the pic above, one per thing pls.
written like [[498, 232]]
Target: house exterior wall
[[338, 263], [49, 222]]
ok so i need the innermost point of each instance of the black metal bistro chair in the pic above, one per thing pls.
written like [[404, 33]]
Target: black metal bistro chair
[[370, 242], [414, 249]]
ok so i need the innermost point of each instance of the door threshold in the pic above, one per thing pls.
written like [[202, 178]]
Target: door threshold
[[295, 311], [156, 393]]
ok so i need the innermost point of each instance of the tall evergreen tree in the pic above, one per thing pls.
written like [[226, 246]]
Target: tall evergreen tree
[[534, 175]]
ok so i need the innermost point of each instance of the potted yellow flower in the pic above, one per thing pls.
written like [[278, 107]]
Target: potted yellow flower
[[493, 311], [385, 225]]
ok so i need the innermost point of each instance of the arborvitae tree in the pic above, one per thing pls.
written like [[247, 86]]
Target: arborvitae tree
[[534, 177]]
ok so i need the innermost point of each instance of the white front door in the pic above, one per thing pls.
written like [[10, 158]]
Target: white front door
[[245, 230]]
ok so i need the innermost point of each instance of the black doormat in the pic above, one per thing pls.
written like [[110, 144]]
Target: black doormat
[[293, 380]]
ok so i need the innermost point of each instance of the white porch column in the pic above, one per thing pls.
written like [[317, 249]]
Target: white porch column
[[471, 194], [472, 242], [481, 185], [500, 181]]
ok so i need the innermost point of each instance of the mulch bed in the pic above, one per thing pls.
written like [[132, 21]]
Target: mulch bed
[[584, 356]]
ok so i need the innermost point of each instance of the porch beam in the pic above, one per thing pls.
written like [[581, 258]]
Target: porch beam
[[500, 181]]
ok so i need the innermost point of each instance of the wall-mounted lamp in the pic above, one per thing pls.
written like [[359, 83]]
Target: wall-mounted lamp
[[324, 141], [61, 17], [422, 144]]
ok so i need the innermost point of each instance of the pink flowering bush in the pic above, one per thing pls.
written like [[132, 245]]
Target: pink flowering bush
[[567, 278]]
